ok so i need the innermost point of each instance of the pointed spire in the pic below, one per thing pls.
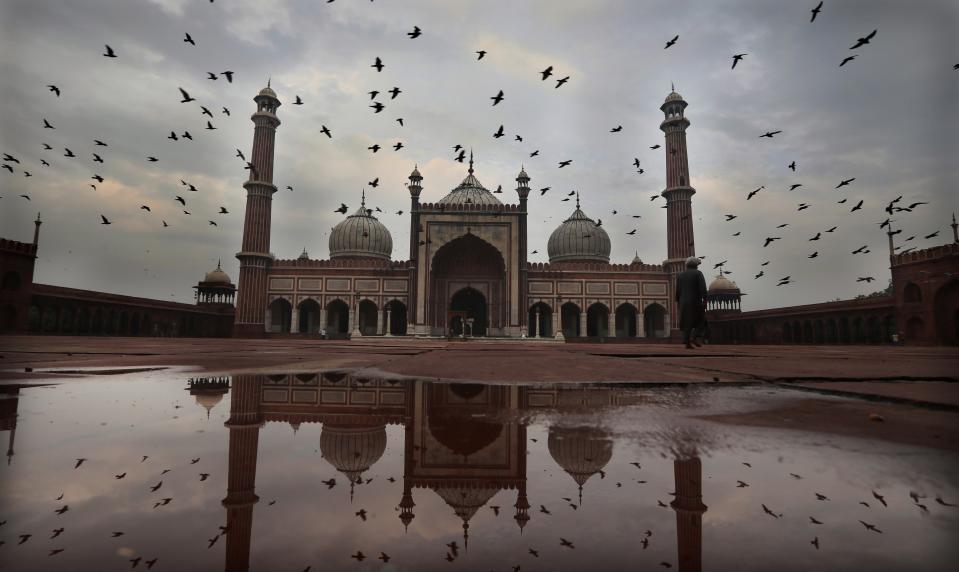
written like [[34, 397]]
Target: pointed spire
[[470, 171], [466, 536], [218, 264], [577, 200], [268, 81], [363, 199]]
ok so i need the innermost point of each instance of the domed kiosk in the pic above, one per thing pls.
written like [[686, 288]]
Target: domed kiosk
[[215, 288], [723, 294]]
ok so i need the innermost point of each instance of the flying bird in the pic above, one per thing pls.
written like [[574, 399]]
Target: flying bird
[[815, 12], [845, 182], [104, 220], [547, 72], [770, 134], [498, 133], [54, 89], [792, 166], [326, 131], [565, 163], [229, 78], [416, 33], [670, 43], [186, 96], [480, 54], [864, 40], [561, 81], [110, 53], [737, 58], [378, 64], [846, 60], [298, 101]]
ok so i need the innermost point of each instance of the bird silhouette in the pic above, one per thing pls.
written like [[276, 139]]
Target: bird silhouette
[[378, 64], [737, 58], [864, 40], [81, 461], [189, 39], [110, 53], [480, 54], [298, 101], [845, 182], [566, 543], [879, 498], [561, 81], [770, 134], [672, 42], [871, 527], [815, 12], [186, 98], [416, 33], [57, 532], [54, 89], [497, 98], [846, 60], [326, 131], [565, 163], [815, 542], [770, 512], [498, 133]]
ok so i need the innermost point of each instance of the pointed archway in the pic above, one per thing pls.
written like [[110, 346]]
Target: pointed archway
[[467, 303], [468, 262]]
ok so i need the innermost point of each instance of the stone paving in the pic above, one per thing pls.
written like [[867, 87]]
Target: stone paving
[[497, 360]]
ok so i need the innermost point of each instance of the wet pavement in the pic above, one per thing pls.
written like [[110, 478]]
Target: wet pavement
[[339, 471]]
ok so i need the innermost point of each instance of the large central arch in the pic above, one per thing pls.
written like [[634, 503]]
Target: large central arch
[[468, 263], [465, 304]]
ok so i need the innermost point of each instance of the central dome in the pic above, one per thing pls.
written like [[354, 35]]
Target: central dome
[[578, 239], [217, 276], [361, 235], [470, 191]]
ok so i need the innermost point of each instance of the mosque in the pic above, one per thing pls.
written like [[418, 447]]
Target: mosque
[[467, 270]]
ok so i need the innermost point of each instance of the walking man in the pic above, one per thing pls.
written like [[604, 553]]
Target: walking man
[[691, 299]]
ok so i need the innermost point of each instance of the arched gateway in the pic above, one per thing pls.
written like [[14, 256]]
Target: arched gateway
[[468, 280]]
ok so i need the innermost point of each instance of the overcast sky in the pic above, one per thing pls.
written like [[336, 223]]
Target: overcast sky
[[888, 119]]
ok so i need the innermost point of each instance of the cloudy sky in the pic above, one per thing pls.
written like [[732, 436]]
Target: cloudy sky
[[888, 119]]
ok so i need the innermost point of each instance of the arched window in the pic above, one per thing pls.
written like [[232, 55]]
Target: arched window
[[911, 293]]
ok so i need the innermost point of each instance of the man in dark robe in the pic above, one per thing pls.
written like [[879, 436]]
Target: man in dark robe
[[691, 299]]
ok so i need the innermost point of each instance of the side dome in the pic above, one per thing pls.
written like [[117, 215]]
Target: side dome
[[579, 239], [361, 235], [722, 284], [470, 191]]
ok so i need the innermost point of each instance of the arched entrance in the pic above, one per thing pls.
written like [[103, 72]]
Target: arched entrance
[[654, 320], [281, 314], [468, 263], [946, 304], [569, 318], [309, 317], [337, 318], [465, 304], [540, 324], [367, 319], [396, 318], [626, 321], [914, 329], [597, 321], [9, 318]]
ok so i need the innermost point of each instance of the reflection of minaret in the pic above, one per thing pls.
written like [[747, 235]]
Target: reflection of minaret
[[244, 425], [9, 399], [689, 508]]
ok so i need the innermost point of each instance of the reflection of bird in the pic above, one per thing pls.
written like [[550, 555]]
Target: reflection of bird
[[741, 484], [871, 527], [769, 512], [384, 557], [362, 514], [942, 502], [331, 482], [814, 521], [359, 556], [62, 509], [156, 487], [879, 498], [566, 543], [821, 497], [544, 510], [815, 542]]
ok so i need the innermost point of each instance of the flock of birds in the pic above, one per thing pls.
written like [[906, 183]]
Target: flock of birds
[[99, 157]]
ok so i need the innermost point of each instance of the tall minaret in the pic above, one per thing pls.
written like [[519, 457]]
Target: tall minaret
[[522, 189], [244, 426], [954, 225], [678, 194], [255, 256], [415, 187]]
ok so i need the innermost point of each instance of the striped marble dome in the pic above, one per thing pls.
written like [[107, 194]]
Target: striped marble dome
[[579, 239], [470, 191], [362, 235]]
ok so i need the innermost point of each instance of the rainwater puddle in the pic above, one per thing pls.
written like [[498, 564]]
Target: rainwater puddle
[[335, 472]]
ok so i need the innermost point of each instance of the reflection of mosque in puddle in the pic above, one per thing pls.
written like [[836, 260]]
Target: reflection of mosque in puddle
[[9, 400], [464, 442]]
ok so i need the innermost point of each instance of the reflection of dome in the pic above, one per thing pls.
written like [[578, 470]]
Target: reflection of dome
[[582, 452], [361, 234], [208, 400], [465, 502], [217, 276], [303, 255], [723, 284], [470, 191], [578, 238], [352, 450]]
